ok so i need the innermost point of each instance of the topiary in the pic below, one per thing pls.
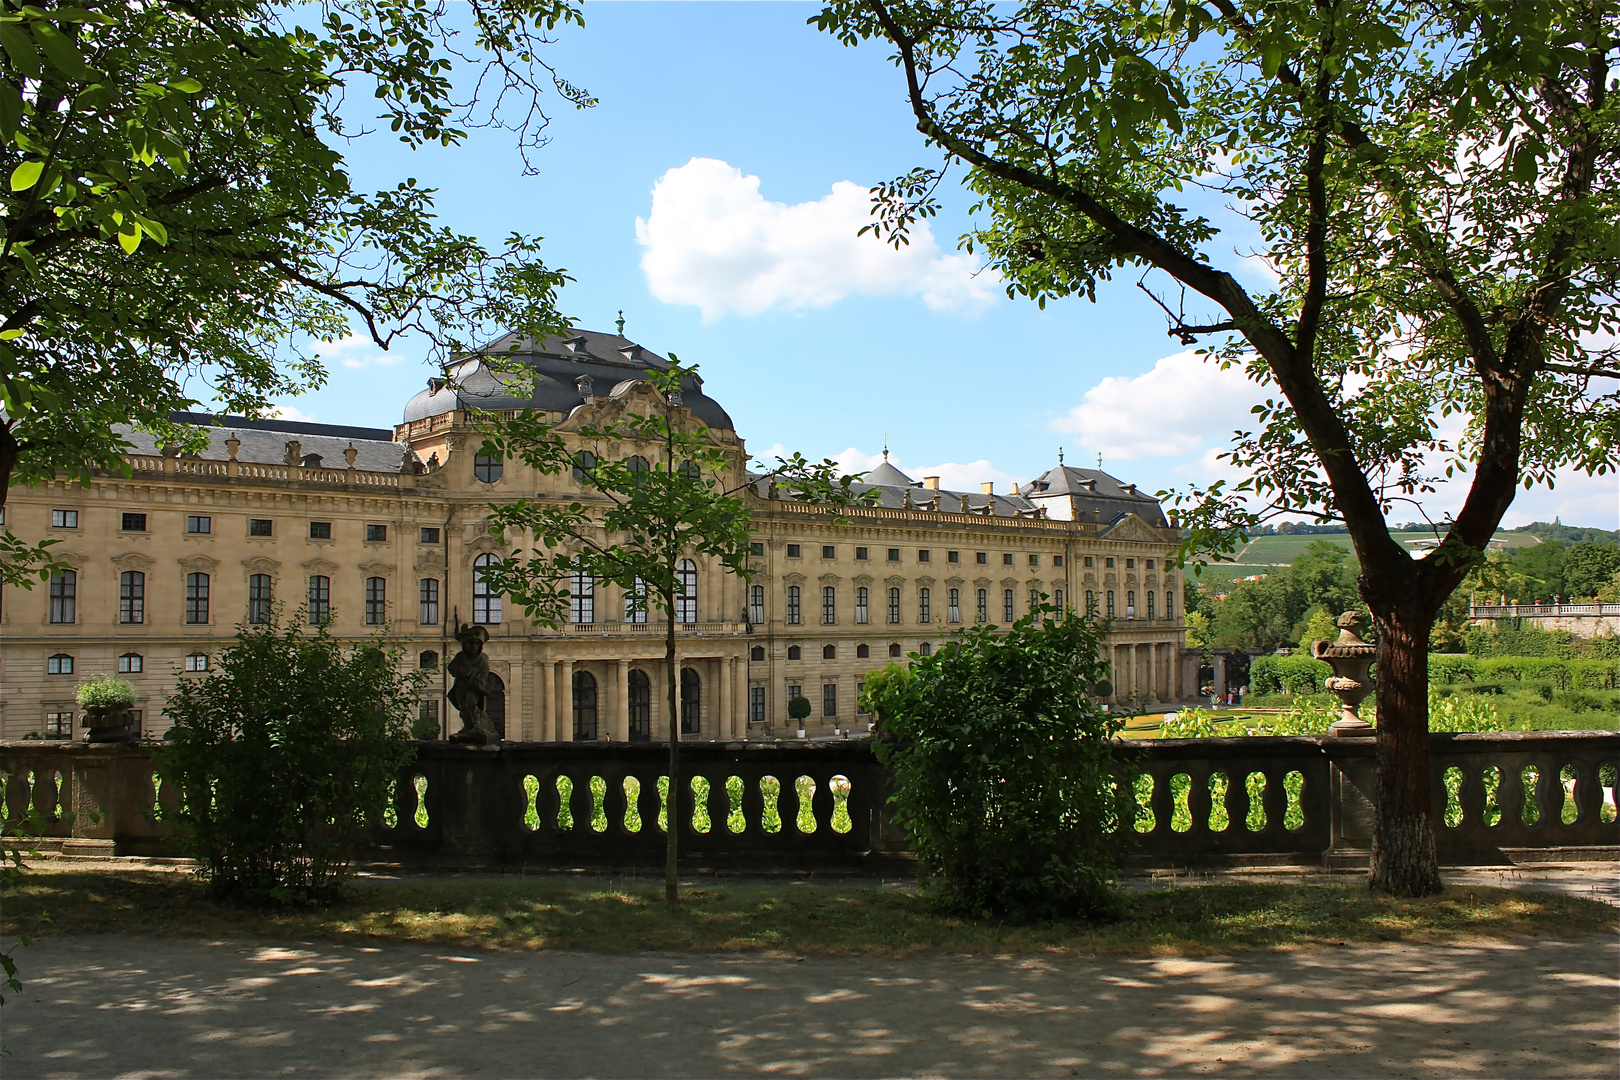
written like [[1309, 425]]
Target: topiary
[[799, 708]]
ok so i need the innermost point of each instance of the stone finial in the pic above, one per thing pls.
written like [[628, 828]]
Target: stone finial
[[349, 454], [905, 499], [965, 506], [294, 452], [232, 445]]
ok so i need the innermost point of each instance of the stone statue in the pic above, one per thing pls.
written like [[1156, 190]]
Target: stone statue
[[470, 691]]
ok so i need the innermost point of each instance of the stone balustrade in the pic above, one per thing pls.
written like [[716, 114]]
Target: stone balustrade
[[1498, 798]]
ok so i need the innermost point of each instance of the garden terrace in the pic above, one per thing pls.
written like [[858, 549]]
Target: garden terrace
[[1504, 798]]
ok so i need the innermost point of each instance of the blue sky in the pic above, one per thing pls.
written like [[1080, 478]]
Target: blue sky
[[713, 195]]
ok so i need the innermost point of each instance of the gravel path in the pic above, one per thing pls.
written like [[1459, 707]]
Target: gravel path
[[139, 1007]]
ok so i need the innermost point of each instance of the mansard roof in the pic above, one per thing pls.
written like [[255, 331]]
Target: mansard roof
[[265, 441], [559, 364], [1093, 489]]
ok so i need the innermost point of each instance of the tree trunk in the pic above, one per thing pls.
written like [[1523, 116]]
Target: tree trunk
[[10, 451], [672, 877], [1405, 859]]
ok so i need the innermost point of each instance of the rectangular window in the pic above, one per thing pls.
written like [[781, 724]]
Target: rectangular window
[[430, 536], [259, 586], [1150, 604], [1057, 600], [756, 549], [132, 597], [1090, 561], [131, 664], [829, 699], [59, 725], [1091, 602], [196, 598], [1110, 603], [923, 612], [794, 690], [861, 595], [582, 598], [793, 605], [197, 662], [1007, 559], [1034, 600], [134, 523], [829, 605], [894, 554], [862, 553], [64, 596], [924, 555], [376, 601], [428, 597], [756, 704], [894, 605], [1130, 604], [793, 551], [1034, 560], [376, 534], [427, 711], [1057, 560], [64, 519], [1169, 605], [259, 527], [953, 610], [635, 603], [1007, 605], [320, 599], [981, 557], [953, 556], [320, 530], [199, 524], [982, 599], [60, 664], [1108, 563], [1130, 564], [829, 551], [1150, 564], [756, 603]]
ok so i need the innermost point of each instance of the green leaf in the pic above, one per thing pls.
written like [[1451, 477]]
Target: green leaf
[[186, 85], [19, 46], [62, 53], [26, 175], [129, 236], [11, 111]]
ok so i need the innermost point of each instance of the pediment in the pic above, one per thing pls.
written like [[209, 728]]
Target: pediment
[[925, 582], [863, 579], [132, 560], [793, 579], [430, 559], [198, 564], [954, 581], [261, 565], [321, 567], [829, 579], [894, 579], [375, 566], [1132, 527]]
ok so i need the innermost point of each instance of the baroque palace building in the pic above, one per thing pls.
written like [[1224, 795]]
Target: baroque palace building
[[383, 531]]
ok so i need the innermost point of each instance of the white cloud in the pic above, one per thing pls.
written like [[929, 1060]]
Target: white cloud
[[357, 351], [952, 476], [713, 241], [1184, 407], [287, 412]]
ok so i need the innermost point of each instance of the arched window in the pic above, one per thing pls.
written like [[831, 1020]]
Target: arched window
[[581, 598], [793, 605], [584, 706], [64, 596], [686, 605], [427, 658], [131, 597], [320, 599], [59, 664], [259, 586], [982, 599], [794, 652], [689, 471], [635, 602], [486, 601], [861, 595], [953, 610], [376, 601], [757, 653], [196, 598], [829, 605], [1007, 606], [488, 467], [428, 601], [863, 652], [924, 611], [584, 463], [756, 604], [894, 648], [925, 649], [691, 702], [640, 706], [1057, 601], [1091, 602], [829, 652], [636, 463], [131, 663], [894, 605]]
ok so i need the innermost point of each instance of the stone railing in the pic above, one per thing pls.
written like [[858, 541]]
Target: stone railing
[[144, 465], [1498, 799], [1539, 611]]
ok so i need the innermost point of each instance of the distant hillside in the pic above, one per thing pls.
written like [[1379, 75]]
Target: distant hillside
[[1569, 534]]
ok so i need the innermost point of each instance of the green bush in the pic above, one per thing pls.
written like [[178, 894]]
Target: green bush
[[284, 757], [1004, 775], [109, 691], [1287, 675], [1190, 724], [1308, 716], [1463, 712], [799, 708]]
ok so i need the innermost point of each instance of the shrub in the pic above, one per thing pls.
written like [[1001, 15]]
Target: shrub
[[1287, 675], [1463, 712], [1190, 724], [284, 756], [109, 691], [1309, 716], [799, 708], [1003, 772]]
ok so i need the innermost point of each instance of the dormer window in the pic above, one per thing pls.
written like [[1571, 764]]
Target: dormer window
[[586, 387], [631, 352], [576, 345]]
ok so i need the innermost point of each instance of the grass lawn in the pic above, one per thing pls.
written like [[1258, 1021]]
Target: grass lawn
[[508, 912]]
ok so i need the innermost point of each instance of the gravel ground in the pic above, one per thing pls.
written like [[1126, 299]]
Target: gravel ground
[[112, 1005]]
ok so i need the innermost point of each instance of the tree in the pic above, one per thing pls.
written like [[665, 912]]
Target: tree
[[1432, 184], [179, 213], [1588, 567], [685, 499], [285, 756]]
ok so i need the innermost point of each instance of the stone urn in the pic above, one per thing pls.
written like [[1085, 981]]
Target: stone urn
[[1351, 658], [111, 723]]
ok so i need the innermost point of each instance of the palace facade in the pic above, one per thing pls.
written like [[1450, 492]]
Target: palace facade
[[383, 531]]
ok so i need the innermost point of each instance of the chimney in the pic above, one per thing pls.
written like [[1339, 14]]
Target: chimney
[[931, 483], [987, 488]]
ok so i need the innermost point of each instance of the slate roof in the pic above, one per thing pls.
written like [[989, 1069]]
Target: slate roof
[[608, 360], [1093, 489], [265, 441]]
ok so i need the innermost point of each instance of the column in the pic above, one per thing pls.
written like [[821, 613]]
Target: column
[[1124, 686], [565, 701], [547, 710], [621, 705], [722, 715], [1220, 677], [1144, 667], [739, 698]]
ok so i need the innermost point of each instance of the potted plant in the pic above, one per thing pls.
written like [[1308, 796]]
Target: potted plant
[[799, 709], [107, 705]]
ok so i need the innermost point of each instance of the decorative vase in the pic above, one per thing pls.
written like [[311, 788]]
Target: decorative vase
[[1351, 659], [113, 723]]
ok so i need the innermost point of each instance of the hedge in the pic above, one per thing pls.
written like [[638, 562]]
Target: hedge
[[1287, 675], [1563, 674]]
